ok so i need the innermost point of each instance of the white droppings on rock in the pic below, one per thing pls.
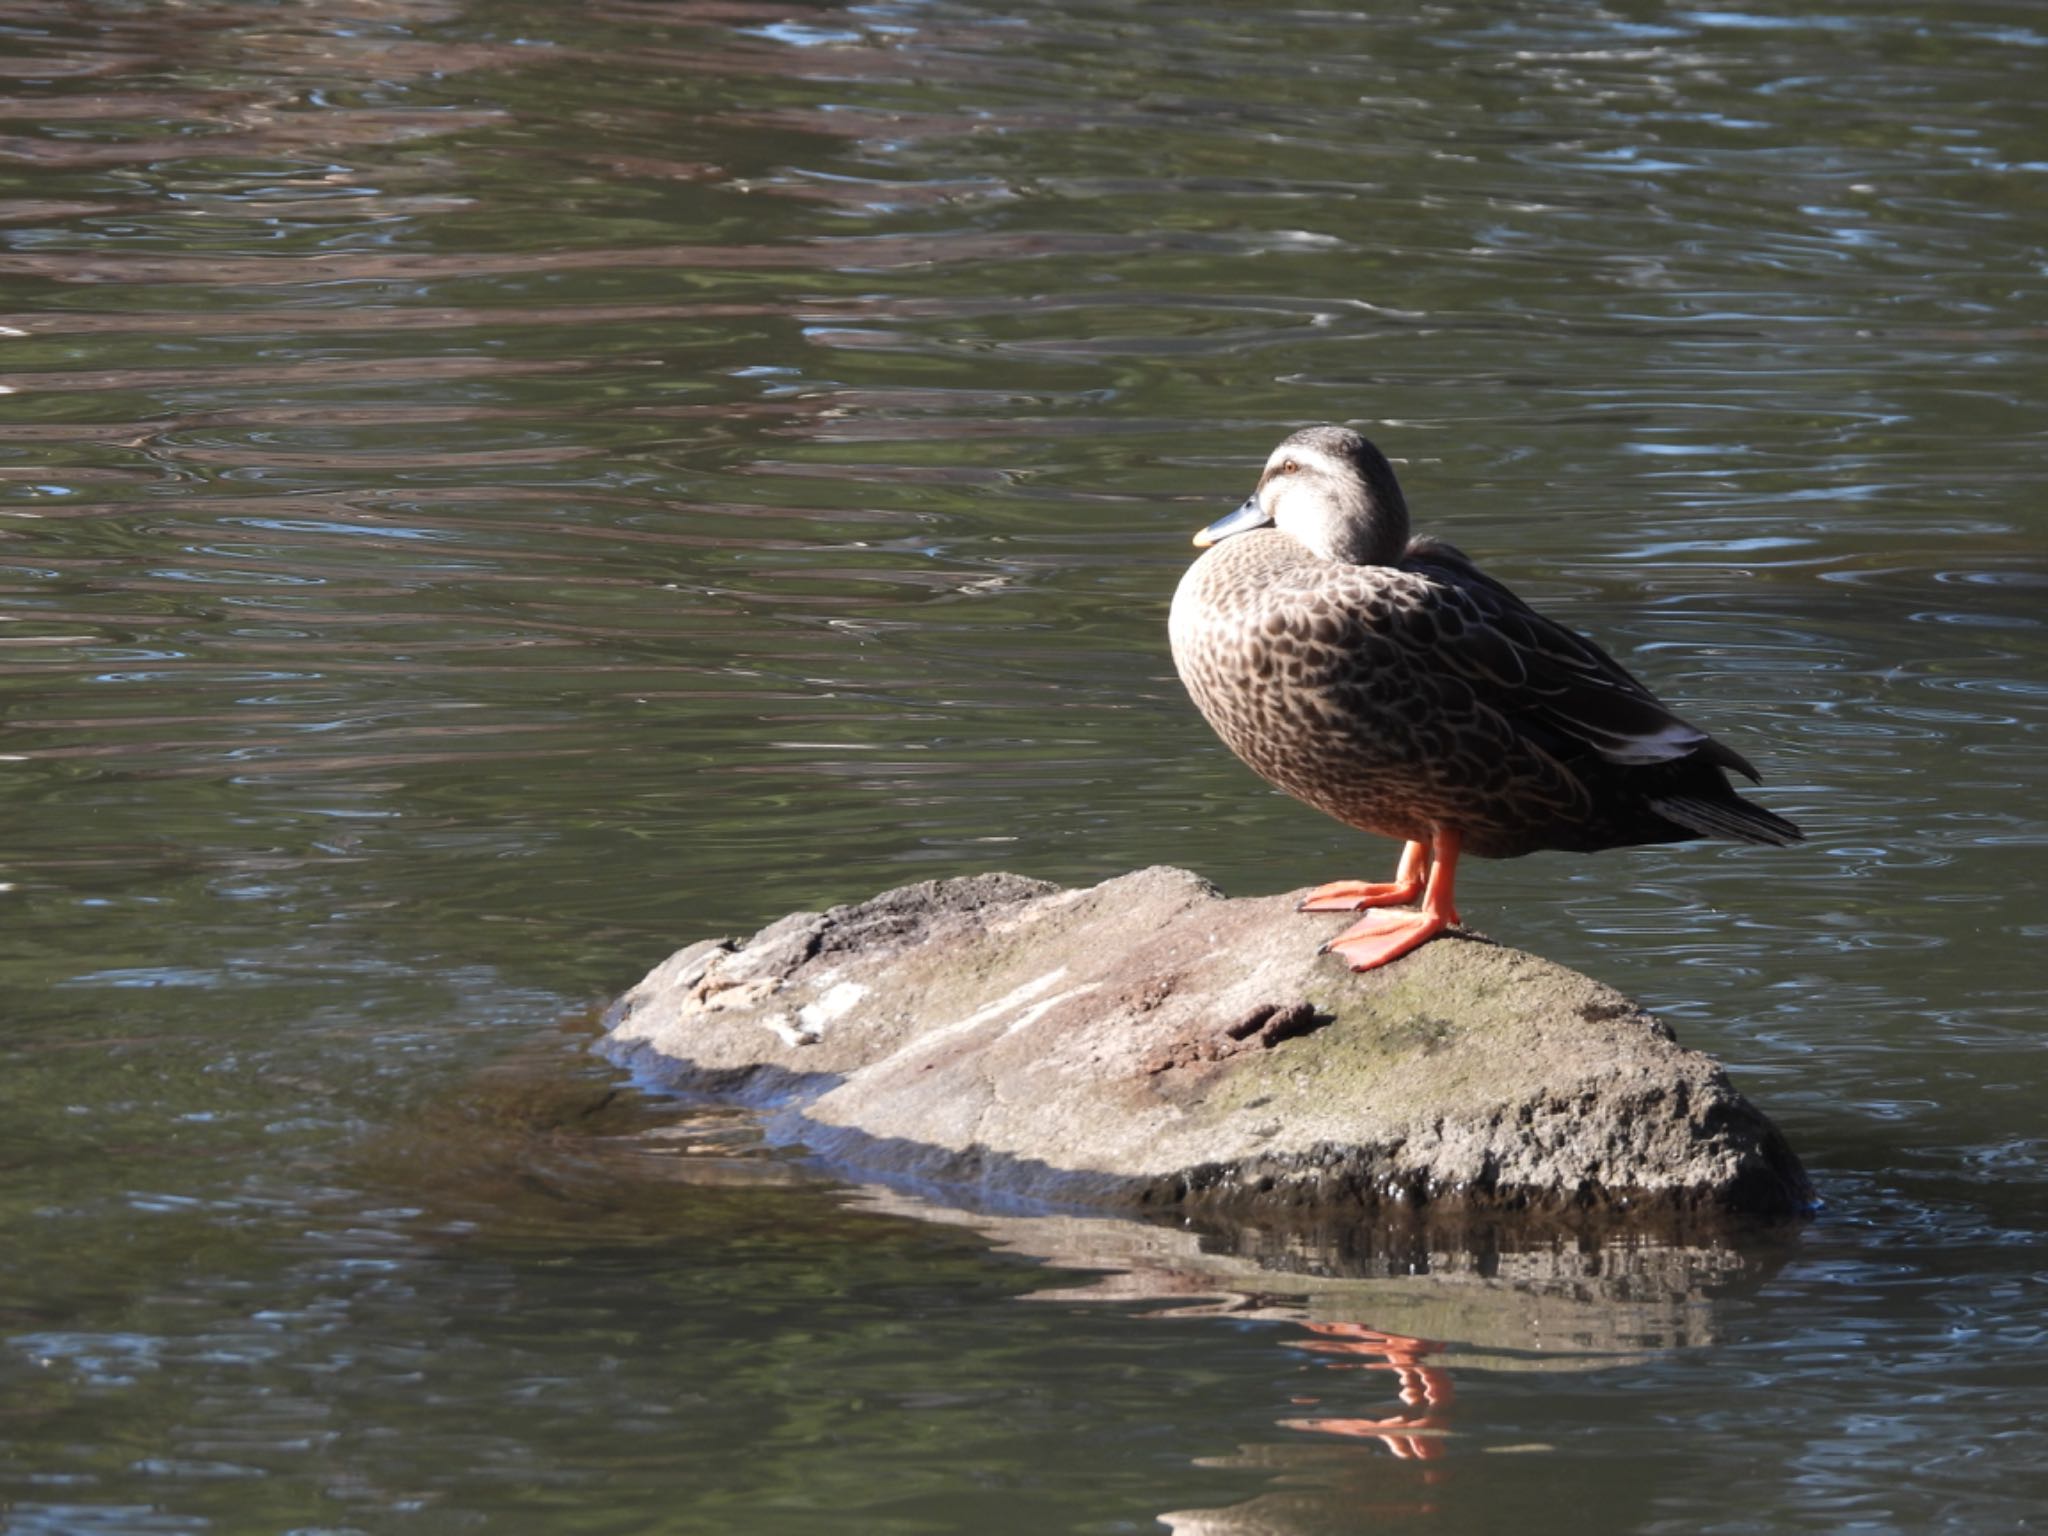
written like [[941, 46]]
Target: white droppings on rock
[[796, 1034], [835, 1003], [1016, 997], [1037, 1011]]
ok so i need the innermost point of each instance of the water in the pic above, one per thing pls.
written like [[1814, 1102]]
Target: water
[[490, 493]]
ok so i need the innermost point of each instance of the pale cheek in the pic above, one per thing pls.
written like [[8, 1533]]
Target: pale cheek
[[1293, 511]]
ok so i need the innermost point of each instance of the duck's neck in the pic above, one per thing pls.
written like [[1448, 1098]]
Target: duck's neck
[[1375, 529]]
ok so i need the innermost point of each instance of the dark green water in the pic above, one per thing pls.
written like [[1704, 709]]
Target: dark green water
[[489, 493]]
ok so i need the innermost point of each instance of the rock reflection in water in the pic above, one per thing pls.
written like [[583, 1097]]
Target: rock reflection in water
[[1405, 1309]]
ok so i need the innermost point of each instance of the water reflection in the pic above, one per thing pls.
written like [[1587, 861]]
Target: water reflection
[[1387, 1323], [1366, 1343], [1425, 1390], [1499, 1296]]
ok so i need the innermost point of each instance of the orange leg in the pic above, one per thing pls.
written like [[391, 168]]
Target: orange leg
[[1384, 936], [1357, 895]]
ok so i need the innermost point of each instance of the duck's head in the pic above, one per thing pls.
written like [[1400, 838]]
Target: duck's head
[[1330, 491]]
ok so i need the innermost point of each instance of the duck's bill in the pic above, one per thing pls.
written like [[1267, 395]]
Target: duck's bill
[[1243, 520]]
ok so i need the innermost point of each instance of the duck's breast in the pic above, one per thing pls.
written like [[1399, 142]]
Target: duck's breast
[[1300, 679], [1327, 681]]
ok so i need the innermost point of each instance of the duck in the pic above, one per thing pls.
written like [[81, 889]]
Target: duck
[[1387, 681]]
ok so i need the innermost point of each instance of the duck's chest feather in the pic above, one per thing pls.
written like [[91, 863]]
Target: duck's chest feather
[[1285, 669], [1323, 679]]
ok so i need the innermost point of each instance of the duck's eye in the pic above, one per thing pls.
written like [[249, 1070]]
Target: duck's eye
[[1289, 467]]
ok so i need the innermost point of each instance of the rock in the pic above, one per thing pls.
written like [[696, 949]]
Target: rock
[[1148, 1043]]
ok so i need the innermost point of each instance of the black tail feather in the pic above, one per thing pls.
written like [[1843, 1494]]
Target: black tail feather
[[1733, 818]]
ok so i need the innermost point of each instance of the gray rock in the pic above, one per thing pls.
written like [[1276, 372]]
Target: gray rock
[[1147, 1043]]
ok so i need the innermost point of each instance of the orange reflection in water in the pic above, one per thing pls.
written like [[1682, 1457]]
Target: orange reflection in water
[[1415, 1434]]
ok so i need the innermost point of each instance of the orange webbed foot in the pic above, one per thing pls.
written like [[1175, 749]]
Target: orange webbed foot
[[1385, 936], [1357, 895], [1381, 935]]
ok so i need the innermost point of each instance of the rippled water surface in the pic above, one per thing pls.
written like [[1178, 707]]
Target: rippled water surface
[[491, 492]]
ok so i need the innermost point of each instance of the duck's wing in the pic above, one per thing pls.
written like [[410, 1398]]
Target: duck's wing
[[1531, 668]]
